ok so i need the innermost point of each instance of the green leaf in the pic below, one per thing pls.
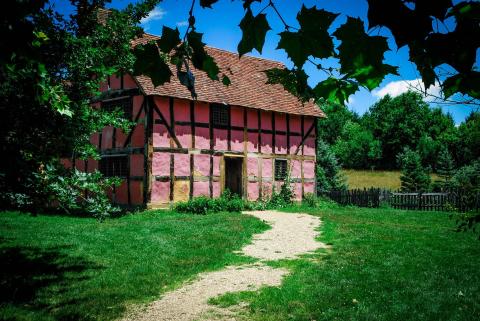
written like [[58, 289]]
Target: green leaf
[[468, 84], [254, 30], [169, 40], [361, 55], [200, 58], [312, 39], [405, 24], [207, 3], [226, 81], [149, 63], [335, 90], [293, 80]]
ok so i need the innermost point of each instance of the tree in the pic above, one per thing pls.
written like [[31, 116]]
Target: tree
[[414, 177], [327, 170], [397, 123], [445, 166], [356, 147], [50, 67], [469, 139], [331, 128]]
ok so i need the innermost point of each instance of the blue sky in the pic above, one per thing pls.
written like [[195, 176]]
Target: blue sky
[[221, 30]]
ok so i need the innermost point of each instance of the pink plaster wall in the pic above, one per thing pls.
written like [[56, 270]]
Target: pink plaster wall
[[182, 165], [216, 189], [252, 191], [220, 139], [252, 166], [267, 167], [160, 136], [308, 169], [308, 187], [136, 165], [138, 139], [115, 82], [252, 142], [252, 118], [136, 192], [280, 144], [161, 164], [121, 193], [295, 124], [201, 188], [201, 112], [294, 143], [120, 138], [216, 165], [309, 146], [237, 140], [181, 110], [236, 116], [266, 120], [129, 82], [280, 122], [201, 164], [184, 135], [202, 138], [266, 143], [137, 105], [266, 189], [160, 192], [296, 169]]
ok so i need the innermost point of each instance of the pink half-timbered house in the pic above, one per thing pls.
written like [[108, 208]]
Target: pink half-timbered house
[[244, 137]]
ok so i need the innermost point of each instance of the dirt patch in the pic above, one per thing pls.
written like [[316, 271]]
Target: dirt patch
[[291, 235]]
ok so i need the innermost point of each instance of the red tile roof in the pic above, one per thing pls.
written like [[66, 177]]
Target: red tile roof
[[248, 86]]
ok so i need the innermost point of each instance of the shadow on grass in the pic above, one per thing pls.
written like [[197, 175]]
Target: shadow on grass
[[38, 279]]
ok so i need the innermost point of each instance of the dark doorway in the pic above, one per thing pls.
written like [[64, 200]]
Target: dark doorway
[[233, 174]]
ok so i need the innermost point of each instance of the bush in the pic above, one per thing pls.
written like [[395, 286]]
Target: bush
[[310, 200], [72, 191], [227, 202], [414, 176]]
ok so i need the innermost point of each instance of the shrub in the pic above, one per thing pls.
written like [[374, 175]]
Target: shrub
[[414, 176], [227, 202], [310, 200]]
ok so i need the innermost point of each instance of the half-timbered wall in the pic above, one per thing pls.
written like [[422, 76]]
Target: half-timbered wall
[[189, 151], [113, 142]]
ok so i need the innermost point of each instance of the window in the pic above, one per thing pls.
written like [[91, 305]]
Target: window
[[280, 169], [220, 115], [124, 104], [114, 166]]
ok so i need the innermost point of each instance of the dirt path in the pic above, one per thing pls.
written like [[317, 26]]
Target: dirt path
[[291, 235]]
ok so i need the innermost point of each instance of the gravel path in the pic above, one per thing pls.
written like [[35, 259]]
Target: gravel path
[[290, 236]]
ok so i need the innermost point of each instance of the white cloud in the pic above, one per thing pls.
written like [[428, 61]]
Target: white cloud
[[156, 14], [396, 88], [183, 23]]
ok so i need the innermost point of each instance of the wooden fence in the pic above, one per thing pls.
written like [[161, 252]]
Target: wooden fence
[[451, 200]]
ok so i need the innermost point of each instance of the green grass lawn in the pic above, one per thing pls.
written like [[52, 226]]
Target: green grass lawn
[[383, 264], [67, 268], [379, 179]]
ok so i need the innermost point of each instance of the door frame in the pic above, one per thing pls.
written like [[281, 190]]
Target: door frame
[[244, 172]]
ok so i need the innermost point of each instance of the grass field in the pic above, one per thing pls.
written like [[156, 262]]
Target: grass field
[[383, 264], [379, 179], [66, 268]]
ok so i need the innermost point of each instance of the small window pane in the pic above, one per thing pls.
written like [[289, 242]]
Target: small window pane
[[114, 166], [220, 115], [280, 169]]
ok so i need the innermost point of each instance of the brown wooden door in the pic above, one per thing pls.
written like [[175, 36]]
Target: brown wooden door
[[233, 174]]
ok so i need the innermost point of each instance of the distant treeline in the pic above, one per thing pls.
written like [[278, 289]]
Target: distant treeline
[[374, 140]]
